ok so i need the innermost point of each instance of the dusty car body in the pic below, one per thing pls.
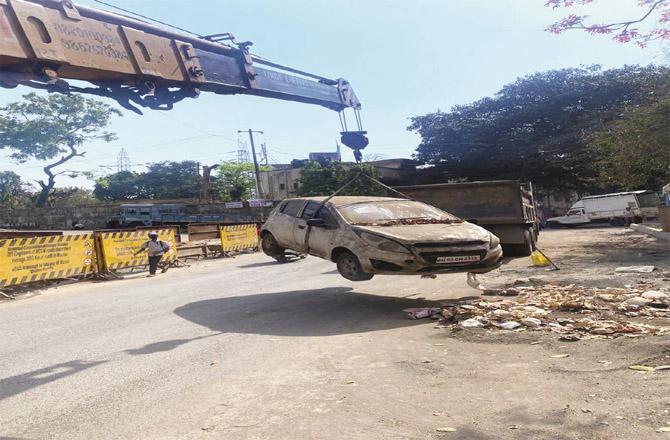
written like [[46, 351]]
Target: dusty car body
[[379, 235]]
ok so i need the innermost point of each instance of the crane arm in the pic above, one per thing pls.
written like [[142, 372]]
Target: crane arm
[[45, 43]]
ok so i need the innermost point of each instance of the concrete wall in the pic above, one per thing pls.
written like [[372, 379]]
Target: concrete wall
[[93, 217], [97, 216]]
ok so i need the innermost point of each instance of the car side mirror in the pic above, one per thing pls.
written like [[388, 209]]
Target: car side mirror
[[316, 222]]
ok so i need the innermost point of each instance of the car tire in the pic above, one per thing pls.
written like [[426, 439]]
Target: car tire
[[350, 267], [270, 247]]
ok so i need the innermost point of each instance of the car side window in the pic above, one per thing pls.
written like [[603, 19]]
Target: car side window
[[328, 217], [310, 210], [293, 207]]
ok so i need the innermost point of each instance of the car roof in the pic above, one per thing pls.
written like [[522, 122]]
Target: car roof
[[350, 200]]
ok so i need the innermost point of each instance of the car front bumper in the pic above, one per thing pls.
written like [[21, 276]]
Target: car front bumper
[[392, 263]]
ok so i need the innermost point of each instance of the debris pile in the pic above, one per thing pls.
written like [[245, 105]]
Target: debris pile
[[573, 312]]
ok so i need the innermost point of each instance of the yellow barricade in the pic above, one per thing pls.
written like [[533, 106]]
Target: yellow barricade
[[119, 248], [24, 260], [237, 237]]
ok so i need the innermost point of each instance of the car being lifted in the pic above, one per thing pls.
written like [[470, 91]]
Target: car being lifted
[[379, 235]]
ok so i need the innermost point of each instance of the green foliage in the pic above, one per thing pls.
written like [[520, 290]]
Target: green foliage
[[162, 180], [538, 128], [318, 179], [635, 150], [171, 180], [235, 181], [12, 194], [124, 185], [72, 196], [43, 128]]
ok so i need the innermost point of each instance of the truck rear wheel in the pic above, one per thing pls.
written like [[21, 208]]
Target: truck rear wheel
[[524, 249]]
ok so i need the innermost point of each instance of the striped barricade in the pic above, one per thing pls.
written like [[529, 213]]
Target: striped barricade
[[119, 248], [238, 237], [29, 259]]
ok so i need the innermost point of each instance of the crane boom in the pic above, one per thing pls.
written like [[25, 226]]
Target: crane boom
[[44, 43]]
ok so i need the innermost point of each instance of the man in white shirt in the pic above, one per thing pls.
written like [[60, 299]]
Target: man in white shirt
[[155, 249]]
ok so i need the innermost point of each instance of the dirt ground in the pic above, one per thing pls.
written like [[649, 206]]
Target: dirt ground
[[602, 397]]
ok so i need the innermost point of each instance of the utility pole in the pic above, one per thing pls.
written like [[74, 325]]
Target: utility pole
[[255, 159]]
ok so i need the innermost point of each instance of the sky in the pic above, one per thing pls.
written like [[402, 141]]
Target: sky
[[403, 58]]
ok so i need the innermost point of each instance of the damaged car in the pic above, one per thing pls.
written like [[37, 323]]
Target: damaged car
[[365, 236]]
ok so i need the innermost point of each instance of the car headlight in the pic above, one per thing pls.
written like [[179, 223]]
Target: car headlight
[[383, 244], [493, 241]]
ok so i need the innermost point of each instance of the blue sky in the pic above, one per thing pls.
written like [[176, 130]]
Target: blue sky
[[403, 58]]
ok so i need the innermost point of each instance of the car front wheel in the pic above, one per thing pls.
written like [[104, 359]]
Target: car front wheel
[[350, 268]]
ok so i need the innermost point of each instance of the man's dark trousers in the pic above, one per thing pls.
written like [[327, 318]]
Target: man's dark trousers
[[153, 263]]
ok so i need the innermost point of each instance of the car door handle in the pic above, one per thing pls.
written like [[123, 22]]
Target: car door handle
[[301, 226]]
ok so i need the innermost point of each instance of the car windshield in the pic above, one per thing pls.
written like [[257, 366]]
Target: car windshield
[[394, 212]]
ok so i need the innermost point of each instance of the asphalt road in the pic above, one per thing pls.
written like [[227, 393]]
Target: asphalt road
[[246, 348], [233, 345]]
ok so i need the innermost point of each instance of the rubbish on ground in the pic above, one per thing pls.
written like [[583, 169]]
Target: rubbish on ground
[[539, 260], [471, 323], [509, 325], [559, 355], [636, 269], [531, 322], [641, 368], [573, 312], [422, 312], [654, 295], [513, 426], [446, 430], [664, 429], [662, 367]]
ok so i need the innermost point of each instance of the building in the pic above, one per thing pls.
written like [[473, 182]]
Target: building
[[281, 182]]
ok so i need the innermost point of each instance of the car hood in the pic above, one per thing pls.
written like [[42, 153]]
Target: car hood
[[455, 232]]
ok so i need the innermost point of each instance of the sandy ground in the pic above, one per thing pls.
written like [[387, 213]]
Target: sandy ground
[[248, 349]]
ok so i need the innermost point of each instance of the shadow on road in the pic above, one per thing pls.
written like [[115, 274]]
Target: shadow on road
[[22, 382], [157, 347], [319, 312]]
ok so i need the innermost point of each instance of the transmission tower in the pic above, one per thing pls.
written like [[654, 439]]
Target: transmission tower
[[122, 161], [242, 152]]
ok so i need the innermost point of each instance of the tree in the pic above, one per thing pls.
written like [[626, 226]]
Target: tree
[[12, 193], [318, 179], [635, 150], [171, 180], [124, 185], [71, 196], [43, 128], [235, 181], [538, 128], [657, 11]]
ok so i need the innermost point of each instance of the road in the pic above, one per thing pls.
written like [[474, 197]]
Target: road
[[248, 349]]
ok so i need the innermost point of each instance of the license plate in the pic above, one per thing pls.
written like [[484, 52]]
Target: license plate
[[456, 259]]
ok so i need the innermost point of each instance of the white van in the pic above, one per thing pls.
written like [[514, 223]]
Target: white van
[[609, 208]]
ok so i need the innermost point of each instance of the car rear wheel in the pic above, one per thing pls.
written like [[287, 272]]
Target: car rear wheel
[[271, 247], [350, 268]]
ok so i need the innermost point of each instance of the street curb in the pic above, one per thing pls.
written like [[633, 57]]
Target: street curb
[[665, 236]]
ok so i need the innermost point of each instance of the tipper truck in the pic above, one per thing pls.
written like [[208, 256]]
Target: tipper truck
[[504, 207]]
